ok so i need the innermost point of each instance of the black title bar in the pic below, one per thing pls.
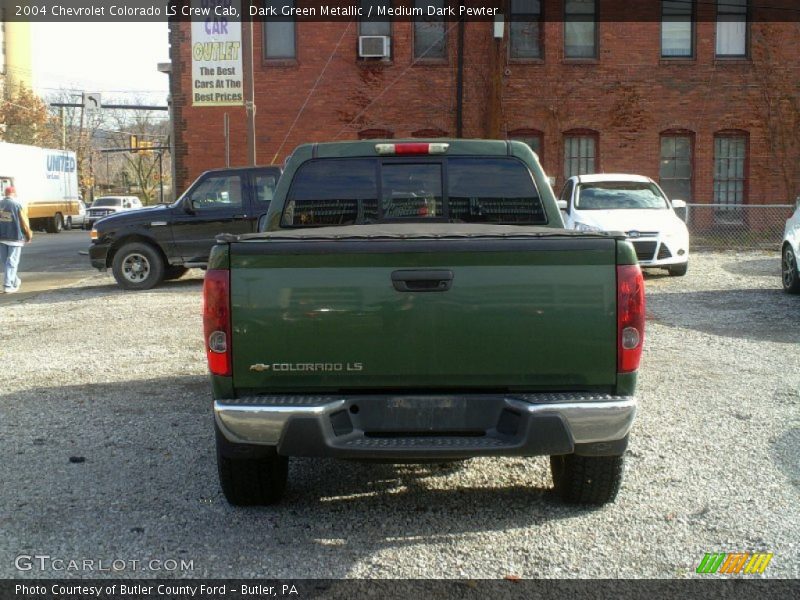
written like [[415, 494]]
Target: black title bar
[[102, 11]]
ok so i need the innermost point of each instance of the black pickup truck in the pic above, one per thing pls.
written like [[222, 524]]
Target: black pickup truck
[[144, 247]]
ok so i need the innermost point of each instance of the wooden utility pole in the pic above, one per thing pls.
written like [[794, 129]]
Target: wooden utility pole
[[249, 91]]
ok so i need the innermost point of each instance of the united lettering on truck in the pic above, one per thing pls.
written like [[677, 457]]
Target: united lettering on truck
[[60, 162]]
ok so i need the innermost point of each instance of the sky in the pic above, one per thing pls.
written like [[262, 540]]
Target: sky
[[117, 59]]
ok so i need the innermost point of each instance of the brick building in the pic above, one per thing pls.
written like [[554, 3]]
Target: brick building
[[700, 96]]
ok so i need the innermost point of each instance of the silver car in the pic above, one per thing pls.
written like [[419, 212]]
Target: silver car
[[76, 220]]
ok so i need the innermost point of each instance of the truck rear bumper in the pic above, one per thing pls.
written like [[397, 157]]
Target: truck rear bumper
[[430, 426]]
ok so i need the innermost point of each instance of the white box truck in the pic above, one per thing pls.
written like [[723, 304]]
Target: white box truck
[[46, 181]]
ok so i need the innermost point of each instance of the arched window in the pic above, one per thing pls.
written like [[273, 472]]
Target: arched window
[[676, 167], [375, 134], [730, 174], [431, 132], [533, 137], [581, 152]]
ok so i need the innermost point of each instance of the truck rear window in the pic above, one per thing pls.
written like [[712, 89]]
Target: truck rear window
[[496, 190]]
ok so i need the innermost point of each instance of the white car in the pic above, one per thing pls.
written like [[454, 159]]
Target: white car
[[76, 220], [790, 251], [634, 205], [109, 205]]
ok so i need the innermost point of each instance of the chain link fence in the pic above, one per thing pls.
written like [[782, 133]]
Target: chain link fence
[[734, 227]]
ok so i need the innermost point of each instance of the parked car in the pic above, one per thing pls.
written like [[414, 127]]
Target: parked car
[[416, 301], [76, 220], [790, 250], [109, 205], [146, 246], [635, 205]]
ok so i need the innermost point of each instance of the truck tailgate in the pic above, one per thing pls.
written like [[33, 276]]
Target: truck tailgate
[[492, 314]]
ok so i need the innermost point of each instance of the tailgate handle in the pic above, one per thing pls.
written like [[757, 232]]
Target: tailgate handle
[[422, 280]]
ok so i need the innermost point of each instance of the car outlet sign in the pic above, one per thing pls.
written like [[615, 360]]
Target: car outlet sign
[[217, 74]]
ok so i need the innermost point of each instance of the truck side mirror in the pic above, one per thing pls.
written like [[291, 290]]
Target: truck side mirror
[[187, 206], [562, 205], [262, 223]]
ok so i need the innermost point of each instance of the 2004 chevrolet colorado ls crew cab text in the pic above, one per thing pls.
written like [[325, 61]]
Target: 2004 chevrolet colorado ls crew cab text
[[421, 301]]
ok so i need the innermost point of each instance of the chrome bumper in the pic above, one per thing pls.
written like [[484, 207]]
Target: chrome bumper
[[427, 425]]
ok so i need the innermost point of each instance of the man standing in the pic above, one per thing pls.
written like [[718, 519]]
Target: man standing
[[15, 231]]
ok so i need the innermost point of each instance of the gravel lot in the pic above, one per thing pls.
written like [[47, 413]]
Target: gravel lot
[[105, 423]]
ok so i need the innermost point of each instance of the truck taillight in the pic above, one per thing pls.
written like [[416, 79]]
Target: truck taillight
[[217, 321], [410, 148], [630, 317]]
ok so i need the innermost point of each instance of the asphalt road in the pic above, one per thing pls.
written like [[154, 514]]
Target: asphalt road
[[51, 261]]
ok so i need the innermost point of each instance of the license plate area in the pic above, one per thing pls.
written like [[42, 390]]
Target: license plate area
[[417, 415]]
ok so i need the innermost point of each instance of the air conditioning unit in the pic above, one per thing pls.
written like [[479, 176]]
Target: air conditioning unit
[[374, 46]]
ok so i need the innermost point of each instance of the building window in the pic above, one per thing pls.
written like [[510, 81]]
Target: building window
[[532, 137], [580, 29], [373, 26], [279, 38], [677, 28], [526, 27], [580, 154], [429, 32], [675, 172], [731, 28], [730, 176]]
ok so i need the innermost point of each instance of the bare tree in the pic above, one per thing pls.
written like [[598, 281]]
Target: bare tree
[[146, 130]]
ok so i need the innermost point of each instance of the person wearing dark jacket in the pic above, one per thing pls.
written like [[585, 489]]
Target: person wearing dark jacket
[[15, 232]]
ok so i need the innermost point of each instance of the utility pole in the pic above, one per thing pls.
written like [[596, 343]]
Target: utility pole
[[249, 92]]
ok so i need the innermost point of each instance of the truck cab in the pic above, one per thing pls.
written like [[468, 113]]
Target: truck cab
[[143, 247]]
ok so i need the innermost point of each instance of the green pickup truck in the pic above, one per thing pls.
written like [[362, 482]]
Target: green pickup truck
[[414, 301]]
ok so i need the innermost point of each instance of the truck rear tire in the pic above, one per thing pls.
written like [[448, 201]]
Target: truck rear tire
[[586, 479], [138, 266], [55, 224], [256, 477]]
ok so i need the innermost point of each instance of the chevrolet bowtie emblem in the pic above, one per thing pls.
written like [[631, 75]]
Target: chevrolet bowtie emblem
[[259, 367]]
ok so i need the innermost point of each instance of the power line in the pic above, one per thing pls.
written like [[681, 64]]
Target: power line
[[311, 91]]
